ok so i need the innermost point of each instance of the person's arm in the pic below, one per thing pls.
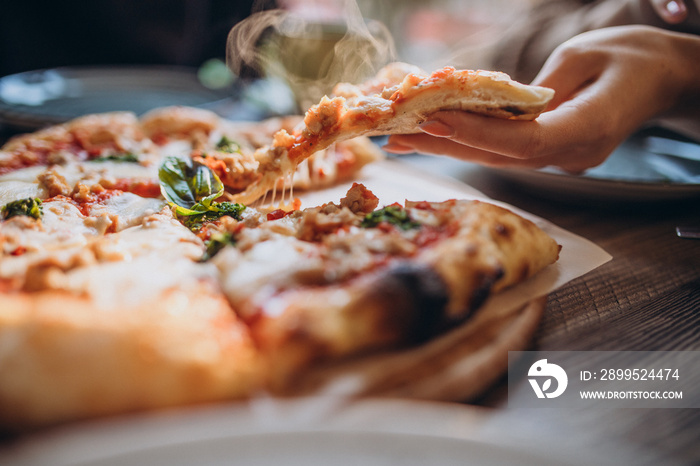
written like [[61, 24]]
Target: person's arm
[[527, 44], [608, 83]]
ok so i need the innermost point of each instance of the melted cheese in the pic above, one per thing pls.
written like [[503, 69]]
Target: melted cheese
[[251, 276], [129, 208], [59, 236], [164, 236], [66, 243], [23, 183], [128, 170], [14, 190], [123, 284]]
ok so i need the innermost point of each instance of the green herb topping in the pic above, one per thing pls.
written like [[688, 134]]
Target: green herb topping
[[125, 157], [216, 243], [228, 145], [191, 188], [393, 214], [31, 207]]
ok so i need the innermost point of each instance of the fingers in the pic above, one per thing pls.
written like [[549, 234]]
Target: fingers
[[516, 139], [568, 137], [511, 138], [671, 11], [426, 144]]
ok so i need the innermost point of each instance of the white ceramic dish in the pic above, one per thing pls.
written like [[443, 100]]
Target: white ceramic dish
[[311, 431]]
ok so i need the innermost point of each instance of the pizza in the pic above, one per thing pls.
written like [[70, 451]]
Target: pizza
[[131, 279], [129, 150], [395, 101]]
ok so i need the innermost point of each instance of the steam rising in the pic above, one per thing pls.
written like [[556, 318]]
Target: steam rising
[[311, 55]]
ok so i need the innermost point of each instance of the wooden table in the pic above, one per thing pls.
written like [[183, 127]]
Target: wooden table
[[646, 299]]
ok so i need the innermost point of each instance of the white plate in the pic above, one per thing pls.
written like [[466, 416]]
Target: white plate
[[35, 99], [312, 431]]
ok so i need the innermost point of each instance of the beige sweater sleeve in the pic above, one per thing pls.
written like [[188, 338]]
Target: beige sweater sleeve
[[526, 45]]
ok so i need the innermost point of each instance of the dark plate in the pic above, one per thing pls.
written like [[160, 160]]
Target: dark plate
[[35, 99]]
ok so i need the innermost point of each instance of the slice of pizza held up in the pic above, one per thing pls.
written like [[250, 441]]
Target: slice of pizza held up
[[396, 101]]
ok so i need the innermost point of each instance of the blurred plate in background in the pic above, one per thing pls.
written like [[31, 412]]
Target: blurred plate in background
[[35, 99]]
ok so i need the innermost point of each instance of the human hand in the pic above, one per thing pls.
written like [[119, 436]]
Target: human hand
[[608, 82]]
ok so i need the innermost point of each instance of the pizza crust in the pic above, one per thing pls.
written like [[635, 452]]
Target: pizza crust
[[323, 289], [61, 359], [457, 366]]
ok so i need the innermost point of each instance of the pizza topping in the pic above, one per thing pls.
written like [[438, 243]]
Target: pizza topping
[[186, 183], [226, 144], [191, 187], [55, 183], [277, 214], [236, 170], [30, 207], [393, 214], [359, 199], [143, 188], [216, 242], [317, 222], [216, 211], [323, 116], [122, 157], [126, 209]]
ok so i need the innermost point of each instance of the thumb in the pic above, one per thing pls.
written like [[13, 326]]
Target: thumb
[[567, 72]]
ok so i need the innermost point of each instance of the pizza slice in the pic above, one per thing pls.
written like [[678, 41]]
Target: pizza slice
[[105, 309], [396, 101], [336, 280]]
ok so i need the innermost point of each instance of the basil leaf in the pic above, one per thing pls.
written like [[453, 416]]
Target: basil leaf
[[191, 188], [31, 207], [393, 215], [186, 183], [217, 210]]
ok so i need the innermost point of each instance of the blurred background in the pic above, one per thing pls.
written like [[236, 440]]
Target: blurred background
[[37, 34], [60, 60]]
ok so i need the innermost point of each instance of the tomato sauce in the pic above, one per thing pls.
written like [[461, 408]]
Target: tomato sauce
[[143, 188], [90, 200]]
